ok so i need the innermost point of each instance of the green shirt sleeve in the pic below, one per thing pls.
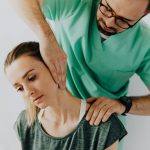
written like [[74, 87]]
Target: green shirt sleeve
[[60, 9], [144, 69]]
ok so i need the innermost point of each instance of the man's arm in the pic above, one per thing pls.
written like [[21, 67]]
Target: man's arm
[[140, 105], [31, 13], [52, 54]]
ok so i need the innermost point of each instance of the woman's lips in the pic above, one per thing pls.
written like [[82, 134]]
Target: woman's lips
[[38, 99]]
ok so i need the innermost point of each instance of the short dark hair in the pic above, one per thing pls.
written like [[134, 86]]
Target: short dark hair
[[25, 48]]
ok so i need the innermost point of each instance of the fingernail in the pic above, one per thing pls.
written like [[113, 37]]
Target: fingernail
[[91, 123], [103, 120], [87, 118], [95, 124]]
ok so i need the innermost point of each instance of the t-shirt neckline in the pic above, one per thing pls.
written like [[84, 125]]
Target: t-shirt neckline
[[83, 113]]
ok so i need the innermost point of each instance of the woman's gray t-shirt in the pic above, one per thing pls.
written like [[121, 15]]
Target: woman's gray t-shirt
[[84, 136]]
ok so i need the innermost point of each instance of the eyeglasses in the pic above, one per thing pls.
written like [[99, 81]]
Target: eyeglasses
[[108, 12]]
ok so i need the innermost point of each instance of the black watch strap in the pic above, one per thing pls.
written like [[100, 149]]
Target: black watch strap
[[127, 102]]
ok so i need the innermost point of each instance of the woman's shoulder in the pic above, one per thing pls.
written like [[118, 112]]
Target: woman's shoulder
[[115, 126], [21, 122], [21, 125], [115, 121], [105, 134], [22, 117], [116, 130]]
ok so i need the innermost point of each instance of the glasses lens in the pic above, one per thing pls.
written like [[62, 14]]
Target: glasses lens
[[105, 11], [108, 13], [121, 23]]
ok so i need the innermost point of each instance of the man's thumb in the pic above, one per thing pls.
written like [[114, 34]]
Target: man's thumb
[[91, 99]]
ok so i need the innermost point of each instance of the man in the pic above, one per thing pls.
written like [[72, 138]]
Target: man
[[103, 42]]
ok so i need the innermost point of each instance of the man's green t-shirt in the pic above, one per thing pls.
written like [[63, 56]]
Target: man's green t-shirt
[[83, 137], [97, 68]]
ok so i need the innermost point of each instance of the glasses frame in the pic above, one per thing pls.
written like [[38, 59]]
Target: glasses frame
[[113, 14]]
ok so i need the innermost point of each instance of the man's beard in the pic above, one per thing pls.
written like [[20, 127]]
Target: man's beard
[[114, 31]]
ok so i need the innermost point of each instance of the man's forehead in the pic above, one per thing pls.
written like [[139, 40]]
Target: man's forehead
[[132, 9]]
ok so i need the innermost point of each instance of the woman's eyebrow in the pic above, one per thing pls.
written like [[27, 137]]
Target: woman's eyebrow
[[16, 84], [27, 73]]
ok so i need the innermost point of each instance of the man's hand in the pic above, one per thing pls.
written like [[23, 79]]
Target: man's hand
[[102, 108], [55, 58]]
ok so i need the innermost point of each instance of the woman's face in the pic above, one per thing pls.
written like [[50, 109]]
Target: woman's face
[[32, 79]]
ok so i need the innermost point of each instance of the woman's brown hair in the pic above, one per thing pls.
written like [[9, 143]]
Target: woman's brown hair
[[29, 49]]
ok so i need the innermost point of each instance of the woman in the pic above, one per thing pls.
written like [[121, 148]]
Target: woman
[[53, 119]]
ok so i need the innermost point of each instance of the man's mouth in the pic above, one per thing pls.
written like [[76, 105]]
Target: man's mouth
[[104, 29]]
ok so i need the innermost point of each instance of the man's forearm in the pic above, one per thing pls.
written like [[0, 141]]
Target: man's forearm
[[31, 13], [141, 105]]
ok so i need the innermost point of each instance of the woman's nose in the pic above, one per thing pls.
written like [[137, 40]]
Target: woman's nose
[[29, 91]]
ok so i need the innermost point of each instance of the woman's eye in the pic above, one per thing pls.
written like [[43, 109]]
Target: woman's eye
[[19, 89], [32, 78]]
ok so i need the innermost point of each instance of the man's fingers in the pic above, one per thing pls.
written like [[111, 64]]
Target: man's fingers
[[55, 58], [101, 114], [94, 115], [53, 72], [89, 114], [63, 75], [91, 99], [64, 71], [109, 112], [91, 110], [59, 70]]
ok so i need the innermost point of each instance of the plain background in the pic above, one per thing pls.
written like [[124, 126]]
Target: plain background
[[13, 31]]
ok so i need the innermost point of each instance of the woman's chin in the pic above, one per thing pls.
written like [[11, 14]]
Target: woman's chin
[[42, 106]]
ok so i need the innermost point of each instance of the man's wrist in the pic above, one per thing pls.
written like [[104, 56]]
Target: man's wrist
[[127, 102]]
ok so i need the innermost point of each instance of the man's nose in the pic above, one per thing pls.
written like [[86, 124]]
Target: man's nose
[[110, 22]]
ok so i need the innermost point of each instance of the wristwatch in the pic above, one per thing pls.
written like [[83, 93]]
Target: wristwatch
[[127, 102]]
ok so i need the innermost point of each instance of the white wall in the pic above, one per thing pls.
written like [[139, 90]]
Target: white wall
[[13, 31]]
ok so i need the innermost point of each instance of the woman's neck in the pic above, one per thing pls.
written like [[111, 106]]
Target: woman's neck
[[63, 109]]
